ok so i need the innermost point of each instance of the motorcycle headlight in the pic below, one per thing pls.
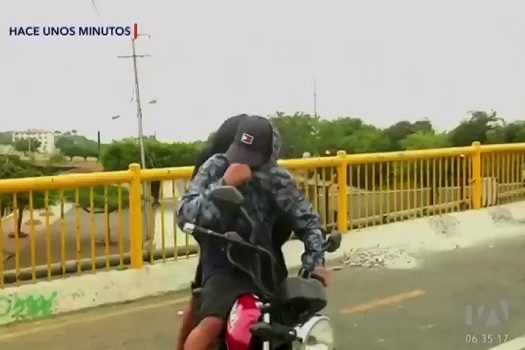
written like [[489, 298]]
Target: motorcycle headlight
[[316, 335]]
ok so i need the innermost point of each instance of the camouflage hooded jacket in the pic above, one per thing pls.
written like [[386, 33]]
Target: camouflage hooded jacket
[[271, 193]]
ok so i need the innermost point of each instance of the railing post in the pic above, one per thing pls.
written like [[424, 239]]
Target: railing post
[[342, 192], [135, 217], [476, 175]]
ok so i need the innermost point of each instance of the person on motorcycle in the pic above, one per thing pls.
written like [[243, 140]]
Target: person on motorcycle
[[250, 164], [281, 231]]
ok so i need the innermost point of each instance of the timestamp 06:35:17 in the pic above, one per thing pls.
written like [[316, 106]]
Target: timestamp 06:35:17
[[487, 338]]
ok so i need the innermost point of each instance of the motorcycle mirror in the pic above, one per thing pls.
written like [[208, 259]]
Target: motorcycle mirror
[[333, 242], [227, 197]]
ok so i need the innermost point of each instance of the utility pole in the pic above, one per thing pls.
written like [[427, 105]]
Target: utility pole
[[315, 97], [98, 145], [140, 130]]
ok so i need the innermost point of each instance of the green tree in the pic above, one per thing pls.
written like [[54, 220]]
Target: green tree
[[120, 154], [27, 145], [6, 138], [73, 145], [333, 134], [480, 127], [13, 167], [398, 132], [425, 140], [510, 133], [519, 133], [56, 158], [303, 133], [300, 133], [353, 136], [424, 125], [368, 139], [87, 153]]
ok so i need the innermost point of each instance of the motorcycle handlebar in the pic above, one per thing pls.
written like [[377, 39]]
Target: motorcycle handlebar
[[231, 237], [234, 239]]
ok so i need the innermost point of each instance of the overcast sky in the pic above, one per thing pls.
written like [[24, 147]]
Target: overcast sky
[[381, 61]]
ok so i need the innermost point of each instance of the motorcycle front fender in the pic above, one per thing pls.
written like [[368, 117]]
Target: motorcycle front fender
[[319, 329]]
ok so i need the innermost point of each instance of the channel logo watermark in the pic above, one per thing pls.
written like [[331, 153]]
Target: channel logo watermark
[[487, 315], [486, 323], [75, 31]]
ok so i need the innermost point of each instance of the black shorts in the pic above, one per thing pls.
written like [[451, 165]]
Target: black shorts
[[220, 291], [197, 280]]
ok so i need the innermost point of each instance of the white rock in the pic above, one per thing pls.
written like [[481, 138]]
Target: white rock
[[377, 257]]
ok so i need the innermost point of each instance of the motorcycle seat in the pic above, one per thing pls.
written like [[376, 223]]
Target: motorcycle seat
[[302, 294]]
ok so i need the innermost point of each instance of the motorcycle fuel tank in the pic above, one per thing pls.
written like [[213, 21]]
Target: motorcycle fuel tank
[[244, 313]]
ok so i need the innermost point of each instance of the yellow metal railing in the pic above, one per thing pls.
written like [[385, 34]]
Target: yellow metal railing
[[388, 187], [78, 223]]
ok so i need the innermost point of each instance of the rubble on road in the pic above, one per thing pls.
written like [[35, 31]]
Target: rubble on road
[[379, 257]]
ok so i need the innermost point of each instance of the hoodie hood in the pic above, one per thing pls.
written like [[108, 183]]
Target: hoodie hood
[[276, 148], [276, 143]]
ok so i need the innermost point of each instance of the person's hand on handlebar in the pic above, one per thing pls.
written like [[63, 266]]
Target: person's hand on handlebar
[[237, 174], [322, 272]]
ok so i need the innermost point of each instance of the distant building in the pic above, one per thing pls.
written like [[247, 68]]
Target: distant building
[[46, 138]]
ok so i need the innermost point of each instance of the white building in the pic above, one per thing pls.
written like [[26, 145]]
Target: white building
[[46, 138]]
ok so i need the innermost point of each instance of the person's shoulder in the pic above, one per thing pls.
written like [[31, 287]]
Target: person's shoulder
[[280, 176], [218, 158], [214, 163], [278, 170]]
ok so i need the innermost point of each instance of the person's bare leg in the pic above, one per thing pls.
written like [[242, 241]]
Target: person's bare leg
[[187, 322], [205, 334]]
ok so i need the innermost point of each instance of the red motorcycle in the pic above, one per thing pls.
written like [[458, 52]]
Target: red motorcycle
[[284, 316]]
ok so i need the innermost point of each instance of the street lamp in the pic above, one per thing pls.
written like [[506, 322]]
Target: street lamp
[[150, 102]]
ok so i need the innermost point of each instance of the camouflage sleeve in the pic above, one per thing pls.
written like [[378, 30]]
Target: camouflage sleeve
[[306, 222], [195, 207]]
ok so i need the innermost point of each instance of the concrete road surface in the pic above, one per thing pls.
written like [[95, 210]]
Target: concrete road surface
[[433, 307]]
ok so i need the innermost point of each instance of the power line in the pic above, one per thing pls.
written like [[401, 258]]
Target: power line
[[95, 7]]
